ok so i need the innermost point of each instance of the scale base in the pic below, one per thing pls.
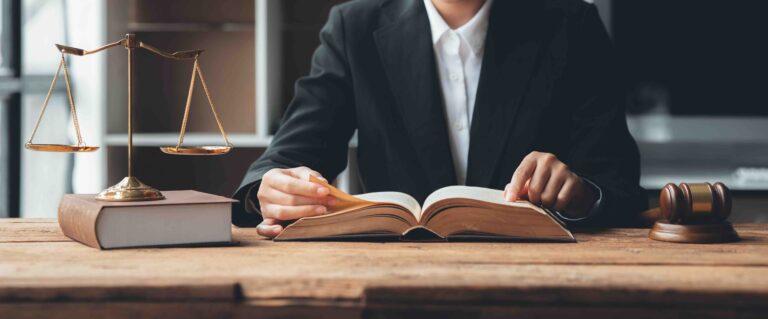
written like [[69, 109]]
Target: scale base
[[694, 234], [130, 189]]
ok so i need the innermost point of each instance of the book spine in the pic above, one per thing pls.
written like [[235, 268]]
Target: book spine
[[77, 220]]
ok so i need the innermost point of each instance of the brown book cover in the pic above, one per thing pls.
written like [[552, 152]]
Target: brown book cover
[[79, 214]]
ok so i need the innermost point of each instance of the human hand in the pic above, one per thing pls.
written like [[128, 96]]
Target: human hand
[[544, 180], [287, 194]]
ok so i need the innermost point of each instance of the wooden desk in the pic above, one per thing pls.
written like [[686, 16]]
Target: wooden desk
[[608, 274]]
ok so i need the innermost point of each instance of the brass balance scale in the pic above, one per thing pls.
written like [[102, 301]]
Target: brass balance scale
[[130, 188]]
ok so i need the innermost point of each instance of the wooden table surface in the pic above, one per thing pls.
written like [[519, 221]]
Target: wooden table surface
[[607, 274]]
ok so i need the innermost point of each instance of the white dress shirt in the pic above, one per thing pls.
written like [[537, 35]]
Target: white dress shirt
[[459, 55]]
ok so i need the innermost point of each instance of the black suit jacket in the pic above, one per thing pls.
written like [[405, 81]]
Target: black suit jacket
[[547, 83]]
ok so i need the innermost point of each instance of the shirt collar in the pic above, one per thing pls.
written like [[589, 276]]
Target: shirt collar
[[474, 31]]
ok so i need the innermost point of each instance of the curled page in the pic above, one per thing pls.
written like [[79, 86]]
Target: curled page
[[344, 200]]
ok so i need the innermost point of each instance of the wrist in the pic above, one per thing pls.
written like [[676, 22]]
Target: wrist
[[583, 202]]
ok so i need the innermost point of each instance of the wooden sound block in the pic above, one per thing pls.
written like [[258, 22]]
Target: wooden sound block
[[694, 234]]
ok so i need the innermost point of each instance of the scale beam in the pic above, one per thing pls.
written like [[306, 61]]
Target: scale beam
[[178, 55], [80, 52]]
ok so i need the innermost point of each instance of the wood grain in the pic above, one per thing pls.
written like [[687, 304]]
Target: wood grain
[[30, 230], [606, 271]]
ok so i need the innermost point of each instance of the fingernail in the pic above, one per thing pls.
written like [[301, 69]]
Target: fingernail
[[509, 196], [332, 202], [323, 190], [320, 210]]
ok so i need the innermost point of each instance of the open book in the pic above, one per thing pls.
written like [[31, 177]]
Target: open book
[[454, 212]]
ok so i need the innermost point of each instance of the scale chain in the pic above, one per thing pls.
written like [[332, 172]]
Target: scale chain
[[210, 102], [45, 102], [62, 64], [187, 107], [72, 103], [196, 71]]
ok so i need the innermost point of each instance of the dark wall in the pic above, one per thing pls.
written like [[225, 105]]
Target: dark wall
[[702, 57]]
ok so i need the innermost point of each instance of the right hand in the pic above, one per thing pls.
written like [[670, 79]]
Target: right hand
[[286, 195]]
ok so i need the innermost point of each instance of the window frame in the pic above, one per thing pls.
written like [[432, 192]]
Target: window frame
[[11, 88]]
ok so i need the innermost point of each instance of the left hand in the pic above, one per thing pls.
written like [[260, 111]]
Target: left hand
[[544, 180]]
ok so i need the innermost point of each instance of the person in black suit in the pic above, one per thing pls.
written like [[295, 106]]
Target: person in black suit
[[520, 95]]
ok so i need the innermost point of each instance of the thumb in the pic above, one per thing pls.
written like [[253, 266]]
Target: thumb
[[269, 228]]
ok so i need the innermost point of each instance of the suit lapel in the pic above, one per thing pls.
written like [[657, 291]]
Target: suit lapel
[[511, 56], [405, 49]]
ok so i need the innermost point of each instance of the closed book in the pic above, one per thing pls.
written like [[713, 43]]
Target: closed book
[[183, 218]]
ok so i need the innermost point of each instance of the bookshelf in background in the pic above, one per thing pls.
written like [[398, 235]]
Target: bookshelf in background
[[225, 29], [255, 50]]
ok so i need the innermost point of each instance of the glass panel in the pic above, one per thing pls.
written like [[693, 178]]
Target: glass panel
[[45, 176], [4, 38], [79, 24], [43, 24]]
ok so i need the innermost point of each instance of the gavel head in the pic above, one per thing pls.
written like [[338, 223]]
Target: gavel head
[[695, 203]]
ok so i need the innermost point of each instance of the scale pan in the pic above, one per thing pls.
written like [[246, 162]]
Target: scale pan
[[60, 148], [198, 150]]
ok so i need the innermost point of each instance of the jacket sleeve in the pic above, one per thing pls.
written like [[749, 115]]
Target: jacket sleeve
[[316, 127], [602, 150]]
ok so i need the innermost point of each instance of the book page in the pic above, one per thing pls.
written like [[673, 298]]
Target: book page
[[346, 201], [399, 199], [465, 211], [470, 192]]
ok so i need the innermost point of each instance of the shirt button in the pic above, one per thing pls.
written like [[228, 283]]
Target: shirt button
[[454, 77], [459, 126]]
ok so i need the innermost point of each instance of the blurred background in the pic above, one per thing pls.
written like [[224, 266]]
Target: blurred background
[[696, 74]]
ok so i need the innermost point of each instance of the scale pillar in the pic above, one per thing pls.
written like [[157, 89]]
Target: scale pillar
[[130, 188]]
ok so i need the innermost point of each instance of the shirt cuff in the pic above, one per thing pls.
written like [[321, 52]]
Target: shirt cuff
[[595, 208], [251, 204]]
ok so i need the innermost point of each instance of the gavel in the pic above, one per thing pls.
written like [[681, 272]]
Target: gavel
[[695, 203], [694, 213]]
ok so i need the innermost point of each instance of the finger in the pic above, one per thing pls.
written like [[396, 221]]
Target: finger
[[524, 191], [269, 228], [282, 212], [303, 173], [566, 194], [277, 197], [538, 183], [295, 186], [522, 174], [554, 185]]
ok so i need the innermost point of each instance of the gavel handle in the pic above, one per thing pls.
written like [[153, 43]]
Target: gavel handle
[[650, 216]]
